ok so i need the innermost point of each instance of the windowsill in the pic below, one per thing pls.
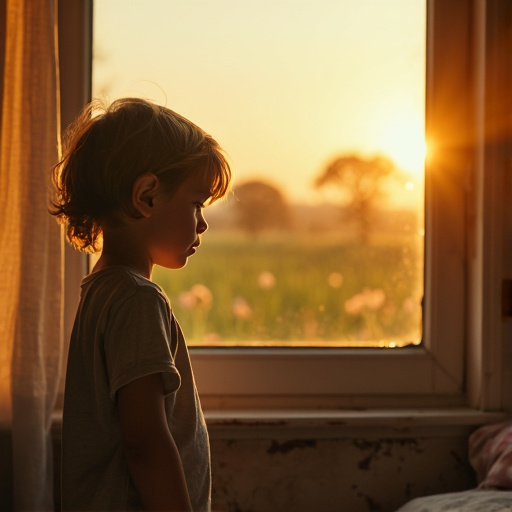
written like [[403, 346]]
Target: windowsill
[[266, 424], [346, 423]]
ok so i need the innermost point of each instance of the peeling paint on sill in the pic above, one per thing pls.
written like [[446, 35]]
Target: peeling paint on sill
[[288, 446]]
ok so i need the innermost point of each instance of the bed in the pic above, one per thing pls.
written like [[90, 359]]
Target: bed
[[490, 454]]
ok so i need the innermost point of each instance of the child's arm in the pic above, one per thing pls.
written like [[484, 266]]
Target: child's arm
[[151, 454]]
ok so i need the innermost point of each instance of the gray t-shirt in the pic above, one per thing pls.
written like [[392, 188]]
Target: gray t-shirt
[[124, 329]]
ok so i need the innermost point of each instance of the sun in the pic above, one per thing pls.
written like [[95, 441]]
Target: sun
[[402, 138]]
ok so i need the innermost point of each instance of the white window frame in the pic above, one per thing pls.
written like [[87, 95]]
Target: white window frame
[[463, 256]]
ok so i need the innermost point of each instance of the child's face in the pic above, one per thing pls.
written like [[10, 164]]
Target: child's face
[[177, 223]]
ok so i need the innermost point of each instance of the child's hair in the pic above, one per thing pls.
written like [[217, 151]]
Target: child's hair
[[107, 147]]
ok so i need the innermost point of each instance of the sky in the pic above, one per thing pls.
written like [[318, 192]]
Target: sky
[[283, 85]]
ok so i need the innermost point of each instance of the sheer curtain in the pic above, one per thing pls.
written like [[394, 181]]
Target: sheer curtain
[[30, 245]]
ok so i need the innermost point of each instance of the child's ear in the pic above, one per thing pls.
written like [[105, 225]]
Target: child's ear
[[143, 193]]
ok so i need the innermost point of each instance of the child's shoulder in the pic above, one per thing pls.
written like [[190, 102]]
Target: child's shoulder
[[120, 281]]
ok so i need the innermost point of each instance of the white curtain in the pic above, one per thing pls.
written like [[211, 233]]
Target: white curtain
[[30, 246]]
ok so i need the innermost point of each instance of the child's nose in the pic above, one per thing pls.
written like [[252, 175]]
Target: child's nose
[[202, 225]]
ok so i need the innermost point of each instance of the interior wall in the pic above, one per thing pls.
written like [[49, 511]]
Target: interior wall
[[356, 474], [264, 467]]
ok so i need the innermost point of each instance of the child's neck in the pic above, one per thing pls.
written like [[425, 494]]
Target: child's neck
[[106, 262], [118, 251]]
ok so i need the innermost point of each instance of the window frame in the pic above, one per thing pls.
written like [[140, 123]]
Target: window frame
[[463, 251]]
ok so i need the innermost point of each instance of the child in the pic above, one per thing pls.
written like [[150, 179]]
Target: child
[[134, 179]]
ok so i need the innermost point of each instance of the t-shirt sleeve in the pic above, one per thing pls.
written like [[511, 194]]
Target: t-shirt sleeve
[[138, 341]]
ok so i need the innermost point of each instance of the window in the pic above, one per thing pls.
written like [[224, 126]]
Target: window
[[463, 256], [321, 106]]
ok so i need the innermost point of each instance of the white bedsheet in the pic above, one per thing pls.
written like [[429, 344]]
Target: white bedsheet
[[475, 500]]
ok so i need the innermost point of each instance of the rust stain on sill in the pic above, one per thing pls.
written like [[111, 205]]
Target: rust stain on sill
[[288, 446]]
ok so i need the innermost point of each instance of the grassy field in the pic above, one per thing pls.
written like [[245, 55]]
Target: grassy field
[[298, 290]]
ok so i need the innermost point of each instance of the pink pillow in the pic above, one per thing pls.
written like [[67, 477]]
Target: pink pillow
[[490, 454]]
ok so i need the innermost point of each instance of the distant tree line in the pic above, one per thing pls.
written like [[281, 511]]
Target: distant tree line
[[362, 184]]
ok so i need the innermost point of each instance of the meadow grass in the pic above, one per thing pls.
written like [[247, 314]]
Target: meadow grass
[[280, 289]]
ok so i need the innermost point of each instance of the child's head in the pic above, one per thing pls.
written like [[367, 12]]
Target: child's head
[[107, 148]]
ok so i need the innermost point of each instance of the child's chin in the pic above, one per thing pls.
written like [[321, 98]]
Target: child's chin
[[176, 265]]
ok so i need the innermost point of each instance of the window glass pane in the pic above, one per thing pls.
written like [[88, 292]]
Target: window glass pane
[[320, 105]]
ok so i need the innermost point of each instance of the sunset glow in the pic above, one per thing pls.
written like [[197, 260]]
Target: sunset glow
[[405, 144], [284, 87]]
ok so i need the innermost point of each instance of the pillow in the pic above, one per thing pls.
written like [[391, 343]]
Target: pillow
[[490, 454]]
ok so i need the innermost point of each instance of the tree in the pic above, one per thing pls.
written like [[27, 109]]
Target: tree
[[260, 206], [362, 182]]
